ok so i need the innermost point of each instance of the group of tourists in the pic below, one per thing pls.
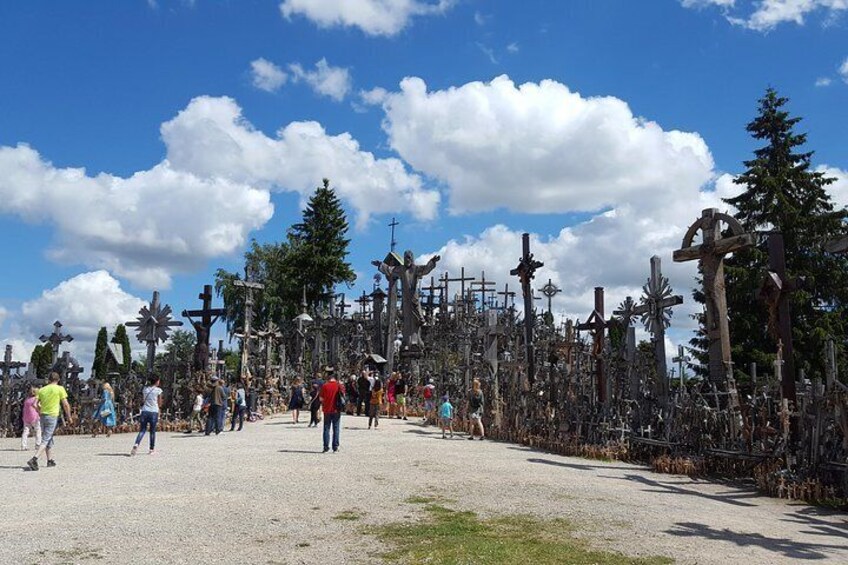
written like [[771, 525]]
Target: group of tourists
[[365, 394]]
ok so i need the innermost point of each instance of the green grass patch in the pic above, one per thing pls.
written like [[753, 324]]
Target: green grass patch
[[348, 515], [449, 537]]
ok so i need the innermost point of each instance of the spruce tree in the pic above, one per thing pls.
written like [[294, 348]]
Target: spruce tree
[[98, 367], [42, 360], [123, 339], [782, 192]]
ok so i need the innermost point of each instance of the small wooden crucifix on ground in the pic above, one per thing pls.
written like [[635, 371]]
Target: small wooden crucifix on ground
[[597, 325], [202, 327], [248, 333], [154, 323], [711, 254], [525, 271], [55, 340]]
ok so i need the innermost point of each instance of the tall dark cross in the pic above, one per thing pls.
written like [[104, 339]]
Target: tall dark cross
[[249, 287], [626, 314], [483, 287], [549, 291], [7, 367], [597, 324], [525, 271], [444, 281], [154, 323], [393, 243], [711, 254], [776, 291], [363, 302], [461, 280], [202, 327], [655, 310], [378, 297], [55, 340]]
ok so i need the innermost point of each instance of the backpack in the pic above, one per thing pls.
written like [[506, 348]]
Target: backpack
[[341, 400], [476, 402], [428, 392]]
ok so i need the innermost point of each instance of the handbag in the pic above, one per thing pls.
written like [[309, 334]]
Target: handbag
[[105, 413]]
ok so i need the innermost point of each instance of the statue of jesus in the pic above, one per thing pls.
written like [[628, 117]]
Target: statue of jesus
[[413, 318]]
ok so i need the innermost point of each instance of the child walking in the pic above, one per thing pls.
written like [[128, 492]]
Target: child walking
[[446, 416], [31, 418]]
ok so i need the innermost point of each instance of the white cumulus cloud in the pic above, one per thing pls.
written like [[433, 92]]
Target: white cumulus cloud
[[373, 17], [539, 147], [326, 80], [266, 75], [210, 138], [765, 15], [843, 70]]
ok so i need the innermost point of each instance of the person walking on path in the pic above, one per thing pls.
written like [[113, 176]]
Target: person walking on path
[[152, 396], [296, 399], [390, 394], [50, 399], [446, 416], [429, 394], [239, 408], [31, 419], [376, 403], [475, 405], [352, 394], [216, 406], [363, 400], [401, 388], [332, 403], [315, 402], [196, 414], [104, 414]]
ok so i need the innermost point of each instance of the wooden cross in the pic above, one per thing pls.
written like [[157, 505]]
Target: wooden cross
[[203, 327], [393, 243], [250, 287], [55, 340], [655, 310], [431, 294], [461, 280], [597, 325], [342, 306], [681, 361], [711, 254], [483, 285], [776, 291], [379, 298], [7, 366], [154, 323], [509, 297], [525, 271], [363, 302]]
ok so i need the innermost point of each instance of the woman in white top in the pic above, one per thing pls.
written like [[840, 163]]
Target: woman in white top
[[152, 396]]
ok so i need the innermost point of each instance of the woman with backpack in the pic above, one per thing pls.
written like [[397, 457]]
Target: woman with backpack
[[475, 409]]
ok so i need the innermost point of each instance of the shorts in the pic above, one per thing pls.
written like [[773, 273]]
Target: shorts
[[476, 416], [401, 400], [429, 405], [445, 422], [48, 428]]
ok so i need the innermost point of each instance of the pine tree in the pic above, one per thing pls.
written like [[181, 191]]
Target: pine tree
[[98, 367], [42, 360], [317, 261], [123, 339], [782, 193]]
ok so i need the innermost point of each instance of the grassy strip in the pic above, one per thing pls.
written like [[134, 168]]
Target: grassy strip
[[449, 537]]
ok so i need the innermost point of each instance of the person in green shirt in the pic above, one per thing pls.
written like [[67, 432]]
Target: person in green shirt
[[51, 399]]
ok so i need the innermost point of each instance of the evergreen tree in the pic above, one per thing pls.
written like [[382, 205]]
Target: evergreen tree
[[123, 339], [782, 193], [317, 258], [98, 367], [42, 360]]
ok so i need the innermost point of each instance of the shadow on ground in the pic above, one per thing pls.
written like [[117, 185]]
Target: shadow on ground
[[788, 548]]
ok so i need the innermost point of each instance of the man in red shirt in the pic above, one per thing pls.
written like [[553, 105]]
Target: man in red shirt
[[329, 394]]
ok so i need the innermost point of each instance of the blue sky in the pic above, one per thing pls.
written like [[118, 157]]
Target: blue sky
[[636, 113]]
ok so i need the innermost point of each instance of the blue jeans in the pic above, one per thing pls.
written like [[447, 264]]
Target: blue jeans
[[148, 421], [335, 420]]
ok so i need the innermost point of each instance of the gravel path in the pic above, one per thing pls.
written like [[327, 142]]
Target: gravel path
[[267, 495]]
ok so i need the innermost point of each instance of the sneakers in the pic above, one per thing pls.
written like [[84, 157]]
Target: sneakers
[[471, 438], [51, 463], [151, 452], [481, 438], [134, 450], [33, 464], [326, 449]]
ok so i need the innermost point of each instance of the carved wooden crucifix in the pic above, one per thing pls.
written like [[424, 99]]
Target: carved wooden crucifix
[[202, 327], [597, 325], [55, 340], [525, 271], [711, 254]]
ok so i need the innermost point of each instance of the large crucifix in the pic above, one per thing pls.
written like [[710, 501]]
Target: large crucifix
[[55, 340], [525, 271], [202, 327], [597, 324], [711, 254], [250, 287], [154, 323], [655, 310], [776, 290]]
